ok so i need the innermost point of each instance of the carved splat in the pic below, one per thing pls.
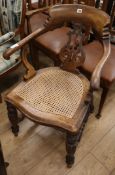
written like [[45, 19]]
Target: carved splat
[[72, 55]]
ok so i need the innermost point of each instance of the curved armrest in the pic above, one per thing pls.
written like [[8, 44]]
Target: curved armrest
[[33, 12], [95, 79], [7, 37], [23, 42]]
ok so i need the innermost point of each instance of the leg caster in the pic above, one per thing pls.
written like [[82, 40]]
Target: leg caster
[[71, 143], [12, 115]]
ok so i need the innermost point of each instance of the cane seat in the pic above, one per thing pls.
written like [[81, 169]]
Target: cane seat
[[53, 95]]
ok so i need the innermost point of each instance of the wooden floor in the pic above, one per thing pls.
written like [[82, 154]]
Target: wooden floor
[[40, 150]]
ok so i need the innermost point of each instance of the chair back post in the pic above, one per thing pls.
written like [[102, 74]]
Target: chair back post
[[2, 163], [97, 3], [87, 2], [20, 29], [112, 19], [105, 5], [29, 4]]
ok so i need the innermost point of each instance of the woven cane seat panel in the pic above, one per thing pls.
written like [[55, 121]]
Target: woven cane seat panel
[[53, 91]]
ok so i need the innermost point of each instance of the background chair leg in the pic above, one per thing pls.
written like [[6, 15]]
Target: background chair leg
[[0, 98], [102, 101], [13, 117], [71, 144], [92, 105], [2, 163]]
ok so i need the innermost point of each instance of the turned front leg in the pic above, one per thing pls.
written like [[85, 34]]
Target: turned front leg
[[71, 143], [13, 117]]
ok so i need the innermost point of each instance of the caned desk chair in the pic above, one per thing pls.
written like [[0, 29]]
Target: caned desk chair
[[12, 17], [61, 97]]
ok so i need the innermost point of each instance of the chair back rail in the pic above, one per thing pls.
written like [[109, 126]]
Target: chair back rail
[[45, 3]]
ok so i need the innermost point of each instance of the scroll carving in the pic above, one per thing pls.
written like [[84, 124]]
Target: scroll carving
[[72, 55], [30, 71]]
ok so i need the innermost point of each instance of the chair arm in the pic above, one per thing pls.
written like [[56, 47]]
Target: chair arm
[[7, 37], [30, 72], [33, 12], [23, 42], [96, 76]]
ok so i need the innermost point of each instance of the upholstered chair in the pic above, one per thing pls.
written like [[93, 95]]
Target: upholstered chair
[[94, 52], [46, 44]]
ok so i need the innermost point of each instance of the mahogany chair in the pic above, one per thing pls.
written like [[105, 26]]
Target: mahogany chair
[[36, 19], [12, 30], [61, 97], [94, 52]]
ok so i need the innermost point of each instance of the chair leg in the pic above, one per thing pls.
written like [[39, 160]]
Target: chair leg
[[102, 101], [72, 140], [0, 98], [91, 105], [71, 144], [13, 117], [79, 135], [3, 164]]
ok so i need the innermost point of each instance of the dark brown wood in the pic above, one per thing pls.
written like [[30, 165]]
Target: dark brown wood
[[13, 117], [97, 3], [112, 25], [105, 5], [2, 163], [71, 144], [102, 101], [87, 2]]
